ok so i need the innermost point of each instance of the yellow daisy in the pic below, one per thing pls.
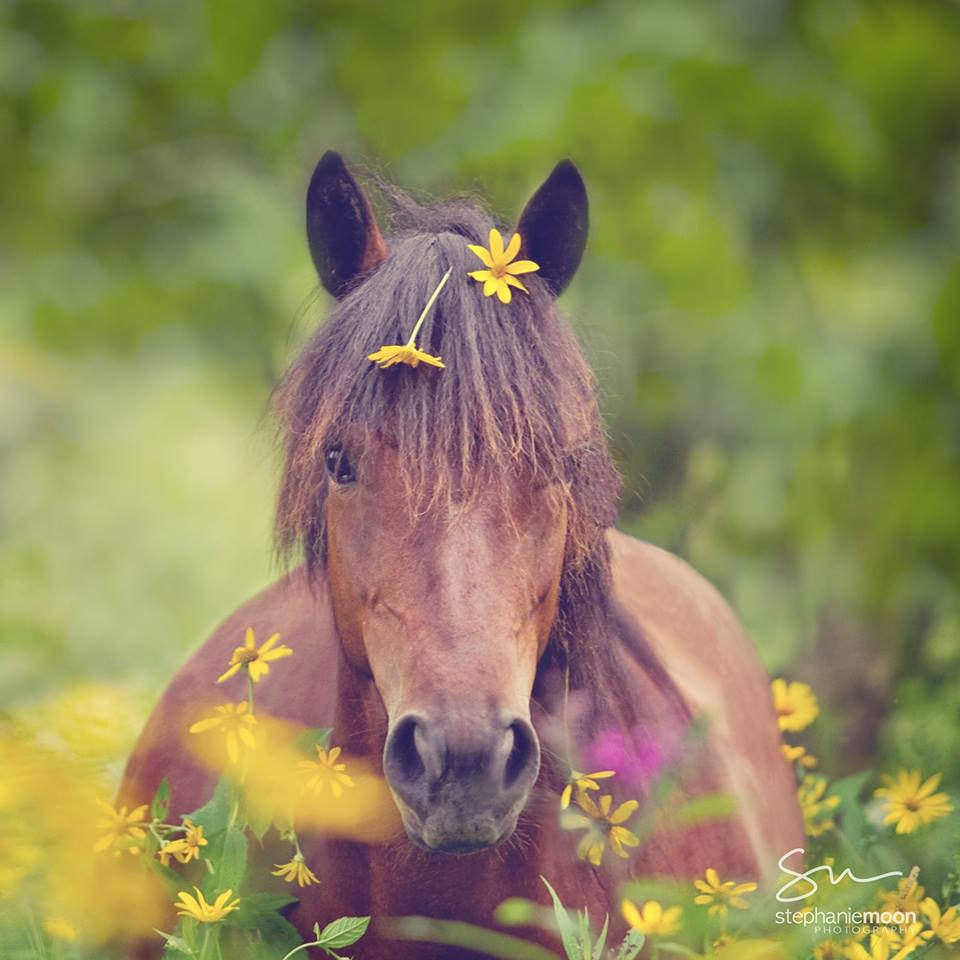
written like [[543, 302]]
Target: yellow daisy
[[582, 781], [325, 771], [651, 919], [235, 720], [403, 353], [408, 352], [907, 897], [945, 924], [911, 804], [720, 895], [119, 825], [199, 909], [187, 847], [501, 274], [297, 870], [795, 703], [255, 661], [603, 824], [817, 809]]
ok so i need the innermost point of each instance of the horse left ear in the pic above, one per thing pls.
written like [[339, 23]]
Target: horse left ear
[[345, 241], [554, 225]]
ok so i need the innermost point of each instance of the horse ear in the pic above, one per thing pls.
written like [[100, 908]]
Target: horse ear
[[344, 239], [554, 224]]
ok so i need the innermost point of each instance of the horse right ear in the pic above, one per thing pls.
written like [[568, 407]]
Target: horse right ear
[[345, 241]]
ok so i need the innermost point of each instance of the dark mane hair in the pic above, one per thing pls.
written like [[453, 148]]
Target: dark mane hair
[[516, 394]]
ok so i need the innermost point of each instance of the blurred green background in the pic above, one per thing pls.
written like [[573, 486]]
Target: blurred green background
[[771, 299]]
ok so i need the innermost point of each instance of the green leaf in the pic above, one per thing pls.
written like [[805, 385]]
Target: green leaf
[[851, 811], [174, 944], [232, 865], [258, 823], [309, 740], [710, 806], [568, 932], [256, 908], [214, 815], [602, 939], [161, 801], [630, 946], [343, 932]]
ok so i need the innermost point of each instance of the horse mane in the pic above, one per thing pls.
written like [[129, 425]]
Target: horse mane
[[516, 394]]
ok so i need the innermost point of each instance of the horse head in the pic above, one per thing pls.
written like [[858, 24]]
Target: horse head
[[452, 509]]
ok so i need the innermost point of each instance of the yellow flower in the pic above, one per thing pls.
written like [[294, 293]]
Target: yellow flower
[[408, 352], [910, 804], [798, 754], [325, 770], [235, 720], [403, 353], [60, 929], [945, 925], [907, 897], [501, 274], [118, 825], [816, 808], [827, 950], [187, 847], [199, 909], [915, 937], [602, 823], [651, 919], [582, 781], [795, 704], [297, 870], [721, 895], [256, 662]]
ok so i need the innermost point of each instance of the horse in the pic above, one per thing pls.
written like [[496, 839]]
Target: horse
[[460, 602]]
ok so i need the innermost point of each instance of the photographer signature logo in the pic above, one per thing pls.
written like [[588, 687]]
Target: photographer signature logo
[[807, 876]]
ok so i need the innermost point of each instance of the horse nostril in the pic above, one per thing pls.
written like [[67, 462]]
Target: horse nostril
[[403, 758], [523, 755]]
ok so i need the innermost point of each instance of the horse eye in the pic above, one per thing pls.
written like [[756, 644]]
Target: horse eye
[[339, 467]]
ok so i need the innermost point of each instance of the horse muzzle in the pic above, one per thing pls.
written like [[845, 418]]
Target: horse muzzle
[[460, 786]]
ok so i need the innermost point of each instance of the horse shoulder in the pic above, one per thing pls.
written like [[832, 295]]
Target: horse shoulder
[[301, 688], [695, 637]]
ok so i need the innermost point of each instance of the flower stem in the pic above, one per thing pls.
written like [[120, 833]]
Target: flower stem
[[423, 315], [250, 691]]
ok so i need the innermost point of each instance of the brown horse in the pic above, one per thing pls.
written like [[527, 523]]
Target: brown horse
[[465, 605]]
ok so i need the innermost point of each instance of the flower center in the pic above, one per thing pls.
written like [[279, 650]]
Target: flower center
[[499, 269], [244, 655]]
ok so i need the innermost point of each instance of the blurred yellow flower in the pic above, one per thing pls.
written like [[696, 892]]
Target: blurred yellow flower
[[907, 897], [297, 870], [255, 661], [60, 929], [795, 704], [816, 808], [199, 909], [118, 825], [827, 950], [945, 924], [651, 919], [235, 720], [501, 273], [910, 804], [582, 781], [798, 754], [603, 824], [720, 895], [325, 771]]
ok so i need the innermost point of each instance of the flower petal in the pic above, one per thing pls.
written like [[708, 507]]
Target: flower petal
[[513, 248], [482, 253], [496, 245], [522, 266]]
